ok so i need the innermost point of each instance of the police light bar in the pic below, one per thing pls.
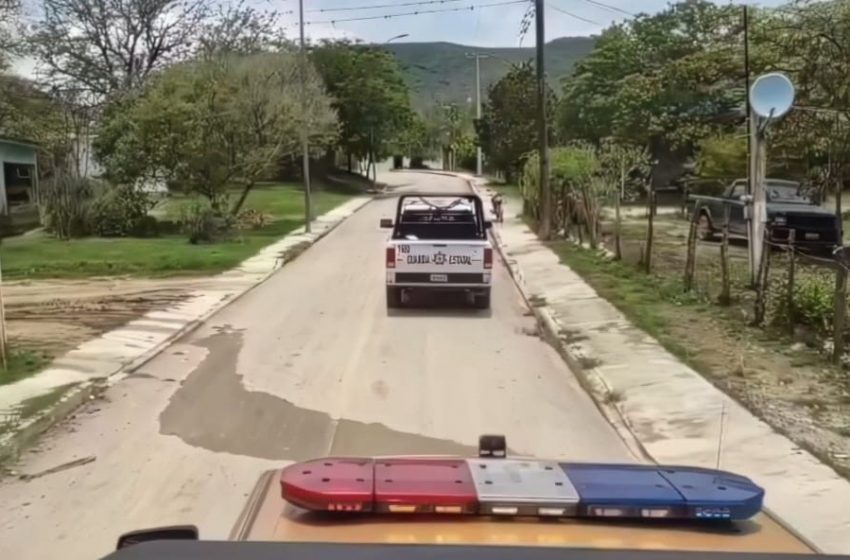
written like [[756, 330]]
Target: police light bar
[[494, 486]]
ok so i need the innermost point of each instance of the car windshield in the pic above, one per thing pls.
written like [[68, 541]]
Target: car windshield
[[786, 193]]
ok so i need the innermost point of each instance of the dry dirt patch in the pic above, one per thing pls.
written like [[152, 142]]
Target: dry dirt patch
[[55, 316]]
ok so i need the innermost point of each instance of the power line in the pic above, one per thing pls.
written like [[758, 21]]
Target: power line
[[376, 6], [557, 9], [416, 13], [608, 7]]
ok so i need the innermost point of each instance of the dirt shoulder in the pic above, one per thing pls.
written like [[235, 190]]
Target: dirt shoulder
[[51, 317]]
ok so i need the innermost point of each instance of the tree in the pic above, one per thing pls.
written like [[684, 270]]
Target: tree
[[507, 130], [811, 41], [205, 126], [369, 94], [110, 46], [9, 32], [620, 163], [670, 78], [240, 29]]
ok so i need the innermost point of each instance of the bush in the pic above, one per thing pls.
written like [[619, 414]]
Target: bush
[[203, 224], [252, 219], [65, 204], [813, 301], [122, 212]]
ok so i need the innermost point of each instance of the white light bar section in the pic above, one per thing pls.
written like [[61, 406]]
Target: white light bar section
[[516, 481]]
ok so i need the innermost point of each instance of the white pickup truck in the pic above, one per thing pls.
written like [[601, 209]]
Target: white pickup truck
[[439, 242]]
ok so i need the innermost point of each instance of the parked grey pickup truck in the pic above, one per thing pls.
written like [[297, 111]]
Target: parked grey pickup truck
[[787, 209]]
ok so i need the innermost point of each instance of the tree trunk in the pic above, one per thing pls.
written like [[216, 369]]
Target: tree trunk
[[245, 192], [348, 158], [840, 311]]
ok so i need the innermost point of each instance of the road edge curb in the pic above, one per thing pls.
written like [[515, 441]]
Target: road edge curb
[[13, 444]]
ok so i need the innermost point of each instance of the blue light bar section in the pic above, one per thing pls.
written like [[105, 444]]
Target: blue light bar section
[[663, 492], [616, 485], [713, 494]]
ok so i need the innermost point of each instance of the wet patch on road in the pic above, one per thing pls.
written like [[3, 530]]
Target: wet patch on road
[[213, 410]]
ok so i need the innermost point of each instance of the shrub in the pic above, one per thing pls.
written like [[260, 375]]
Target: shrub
[[252, 219], [65, 204], [122, 212], [202, 224], [813, 301]]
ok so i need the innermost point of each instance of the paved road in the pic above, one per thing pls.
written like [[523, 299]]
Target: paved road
[[308, 363]]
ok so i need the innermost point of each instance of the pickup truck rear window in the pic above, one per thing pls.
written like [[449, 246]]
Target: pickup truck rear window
[[430, 225]]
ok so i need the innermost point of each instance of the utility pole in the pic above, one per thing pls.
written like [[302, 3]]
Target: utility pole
[[747, 89], [477, 57], [545, 194], [758, 220], [305, 146]]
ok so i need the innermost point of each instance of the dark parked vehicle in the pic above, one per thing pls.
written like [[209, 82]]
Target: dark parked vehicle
[[788, 208]]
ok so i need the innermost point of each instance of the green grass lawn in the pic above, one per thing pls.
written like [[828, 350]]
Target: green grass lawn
[[22, 363], [42, 256]]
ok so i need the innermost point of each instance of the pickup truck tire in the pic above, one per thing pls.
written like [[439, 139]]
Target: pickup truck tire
[[393, 297], [482, 301], [705, 231]]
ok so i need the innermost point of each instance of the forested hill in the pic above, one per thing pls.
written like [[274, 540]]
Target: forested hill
[[441, 72]]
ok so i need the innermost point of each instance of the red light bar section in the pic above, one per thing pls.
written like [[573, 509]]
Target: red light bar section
[[424, 486], [330, 484]]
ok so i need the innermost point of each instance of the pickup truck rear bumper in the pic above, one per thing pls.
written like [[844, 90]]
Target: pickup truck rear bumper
[[438, 281]]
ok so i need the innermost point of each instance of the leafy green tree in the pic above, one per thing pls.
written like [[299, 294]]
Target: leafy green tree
[[621, 167], [369, 94], [206, 126], [108, 46], [723, 157], [673, 78], [9, 30], [507, 131], [811, 42]]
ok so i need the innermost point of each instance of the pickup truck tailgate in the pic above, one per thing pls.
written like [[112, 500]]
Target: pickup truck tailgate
[[450, 262]]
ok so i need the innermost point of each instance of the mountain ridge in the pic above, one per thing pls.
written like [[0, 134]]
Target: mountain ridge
[[441, 73]]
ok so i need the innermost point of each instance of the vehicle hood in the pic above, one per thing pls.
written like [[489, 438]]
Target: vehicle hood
[[791, 208]]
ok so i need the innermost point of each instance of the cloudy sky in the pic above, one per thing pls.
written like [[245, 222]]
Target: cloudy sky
[[490, 23]]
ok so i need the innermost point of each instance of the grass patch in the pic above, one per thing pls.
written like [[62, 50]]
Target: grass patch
[[643, 298], [22, 363], [11, 421], [33, 406], [42, 256]]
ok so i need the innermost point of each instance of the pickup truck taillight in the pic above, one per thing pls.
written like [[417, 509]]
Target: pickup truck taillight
[[390, 257], [488, 257]]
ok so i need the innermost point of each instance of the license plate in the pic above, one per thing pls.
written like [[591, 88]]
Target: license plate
[[812, 236], [439, 278]]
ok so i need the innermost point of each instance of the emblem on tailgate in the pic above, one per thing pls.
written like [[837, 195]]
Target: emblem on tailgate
[[440, 258]]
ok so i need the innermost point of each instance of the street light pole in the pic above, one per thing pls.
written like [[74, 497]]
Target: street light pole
[[477, 57], [305, 145]]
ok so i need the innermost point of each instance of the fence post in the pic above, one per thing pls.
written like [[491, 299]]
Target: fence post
[[840, 309], [690, 262], [726, 283], [650, 231], [761, 281], [792, 271]]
